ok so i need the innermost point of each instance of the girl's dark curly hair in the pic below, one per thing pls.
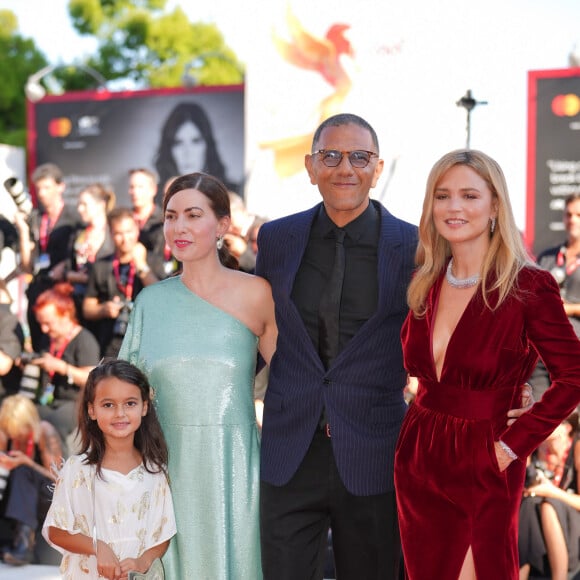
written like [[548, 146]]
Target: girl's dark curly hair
[[149, 438]]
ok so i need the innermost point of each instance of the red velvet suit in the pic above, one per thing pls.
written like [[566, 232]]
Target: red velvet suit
[[450, 492]]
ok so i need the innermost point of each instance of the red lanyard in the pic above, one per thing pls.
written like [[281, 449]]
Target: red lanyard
[[30, 446], [15, 445], [561, 260], [46, 226], [127, 289], [57, 353]]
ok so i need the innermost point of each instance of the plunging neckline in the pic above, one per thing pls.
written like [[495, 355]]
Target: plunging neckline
[[452, 333]]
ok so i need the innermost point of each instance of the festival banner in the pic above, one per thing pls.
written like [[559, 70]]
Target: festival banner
[[553, 166], [98, 136]]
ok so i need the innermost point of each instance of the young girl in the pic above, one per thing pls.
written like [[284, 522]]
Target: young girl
[[113, 501]]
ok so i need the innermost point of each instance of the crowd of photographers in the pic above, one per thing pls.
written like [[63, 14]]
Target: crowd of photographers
[[83, 264]]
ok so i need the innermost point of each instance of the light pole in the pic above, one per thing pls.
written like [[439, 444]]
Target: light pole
[[468, 103], [35, 91]]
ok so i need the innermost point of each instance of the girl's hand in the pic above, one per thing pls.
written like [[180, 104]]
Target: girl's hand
[[135, 564], [108, 565]]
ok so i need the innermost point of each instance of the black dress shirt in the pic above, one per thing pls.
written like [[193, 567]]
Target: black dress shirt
[[360, 288]]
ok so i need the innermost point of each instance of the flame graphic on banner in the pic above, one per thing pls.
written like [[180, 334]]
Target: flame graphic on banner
[[321, 55]]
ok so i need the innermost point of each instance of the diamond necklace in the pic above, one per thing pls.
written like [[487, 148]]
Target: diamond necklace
[[460, 282]]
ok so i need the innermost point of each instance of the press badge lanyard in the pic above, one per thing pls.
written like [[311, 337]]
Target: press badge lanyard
[[126, 289], [561, 261], [58, 354], [46, 226]]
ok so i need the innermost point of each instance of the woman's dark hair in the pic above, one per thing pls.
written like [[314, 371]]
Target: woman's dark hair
[[219, 201], [181, 114], [149, 439]]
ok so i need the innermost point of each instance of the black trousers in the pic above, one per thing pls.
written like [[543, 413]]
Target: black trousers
[[295, 518]]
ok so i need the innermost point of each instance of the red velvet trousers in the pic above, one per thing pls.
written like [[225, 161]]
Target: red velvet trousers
[[450, 492]]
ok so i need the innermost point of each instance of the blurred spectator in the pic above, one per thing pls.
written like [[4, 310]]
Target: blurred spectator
[[241, 238], [563, 261], [549, 523], [30, 449], [149, 218], [187, 145], [93, 240], [73, 352], [11, 345], [51, 229], [115, 281]]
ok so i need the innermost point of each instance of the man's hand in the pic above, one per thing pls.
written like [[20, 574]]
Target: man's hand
[[527, 404]]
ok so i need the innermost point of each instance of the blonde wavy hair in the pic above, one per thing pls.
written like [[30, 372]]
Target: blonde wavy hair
[[18, 417], [507, 254]]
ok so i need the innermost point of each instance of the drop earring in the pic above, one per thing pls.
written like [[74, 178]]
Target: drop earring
[[220, 243], [492, 226]]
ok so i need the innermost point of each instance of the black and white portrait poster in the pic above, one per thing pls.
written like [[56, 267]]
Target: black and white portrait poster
[[100, 136]]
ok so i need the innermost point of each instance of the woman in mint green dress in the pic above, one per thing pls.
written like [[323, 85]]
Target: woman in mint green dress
[[196, 336]]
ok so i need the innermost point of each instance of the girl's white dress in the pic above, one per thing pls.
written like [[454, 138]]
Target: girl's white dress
[[134, 512]]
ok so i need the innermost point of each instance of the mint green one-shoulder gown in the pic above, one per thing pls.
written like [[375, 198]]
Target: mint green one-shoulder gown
[[201, 363]]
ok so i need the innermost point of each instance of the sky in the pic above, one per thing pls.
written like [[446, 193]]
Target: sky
[[48, 23], [448, 46]]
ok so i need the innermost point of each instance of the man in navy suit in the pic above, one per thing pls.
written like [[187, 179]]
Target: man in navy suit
[[332, 417]]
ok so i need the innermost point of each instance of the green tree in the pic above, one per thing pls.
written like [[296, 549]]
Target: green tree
[[141, 42], [19, 58]]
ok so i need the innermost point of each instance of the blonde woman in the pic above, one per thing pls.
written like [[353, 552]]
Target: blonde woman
[[30, 449], [481, 312]]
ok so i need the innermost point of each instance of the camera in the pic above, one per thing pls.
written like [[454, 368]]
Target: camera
[[19, 195], [122, 321], [536, 472]]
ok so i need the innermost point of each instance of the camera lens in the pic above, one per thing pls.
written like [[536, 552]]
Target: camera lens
[[21, 197]]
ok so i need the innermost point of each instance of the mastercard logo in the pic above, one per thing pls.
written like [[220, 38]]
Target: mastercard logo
[[59, 127], [566, 105]]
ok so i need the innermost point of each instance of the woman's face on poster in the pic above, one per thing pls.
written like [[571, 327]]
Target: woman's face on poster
[[188, 149]]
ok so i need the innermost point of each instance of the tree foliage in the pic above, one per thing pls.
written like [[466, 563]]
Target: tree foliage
[[139, 41], [19, 58]]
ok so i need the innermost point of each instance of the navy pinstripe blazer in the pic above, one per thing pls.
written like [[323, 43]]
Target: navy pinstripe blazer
[[363, 389]]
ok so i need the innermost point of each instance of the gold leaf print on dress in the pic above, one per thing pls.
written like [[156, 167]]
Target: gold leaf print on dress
[[142, 506], [157, 532], [119, 516], [84, 565], [80, 523], [142, 536]]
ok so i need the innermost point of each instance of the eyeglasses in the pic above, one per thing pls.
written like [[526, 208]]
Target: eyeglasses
[[358, 158]]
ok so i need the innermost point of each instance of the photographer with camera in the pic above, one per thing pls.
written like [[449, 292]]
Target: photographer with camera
[[50, 229], [73, 352], [549, 523], [115, 281]]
